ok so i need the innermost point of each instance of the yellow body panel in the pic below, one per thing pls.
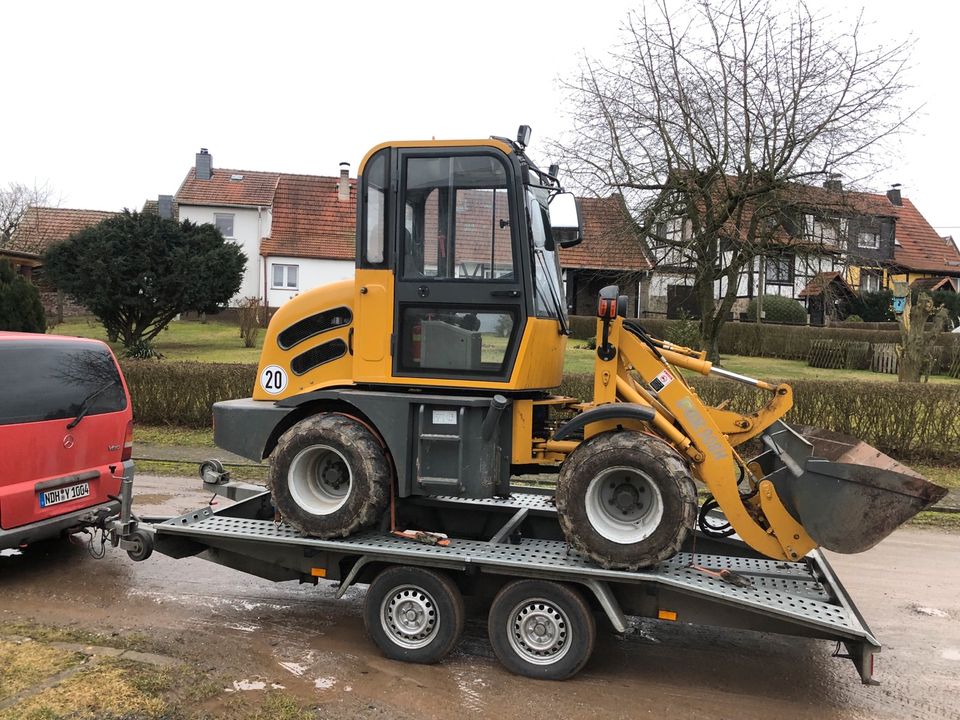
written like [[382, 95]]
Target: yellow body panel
[[539, 363], [337, 372]]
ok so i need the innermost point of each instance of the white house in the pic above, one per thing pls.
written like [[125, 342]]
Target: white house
[[297, 231]]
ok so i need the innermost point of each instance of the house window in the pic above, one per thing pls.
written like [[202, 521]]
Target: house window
[[285, 277], [869, 281], [780, 270], [868, 240], [224, 223]]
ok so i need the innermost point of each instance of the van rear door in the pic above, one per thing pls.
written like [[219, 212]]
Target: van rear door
[[48, 468]]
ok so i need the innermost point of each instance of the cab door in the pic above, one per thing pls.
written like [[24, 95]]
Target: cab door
[[460, 300]]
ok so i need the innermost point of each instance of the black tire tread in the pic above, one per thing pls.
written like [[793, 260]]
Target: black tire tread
[[374, 471], [651, 452]]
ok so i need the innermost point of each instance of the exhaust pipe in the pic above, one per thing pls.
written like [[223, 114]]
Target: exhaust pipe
[[847, 495]]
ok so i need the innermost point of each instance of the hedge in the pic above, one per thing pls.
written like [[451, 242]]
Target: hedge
[[916, 423], [919, 422], [787, 342], [181, 393]]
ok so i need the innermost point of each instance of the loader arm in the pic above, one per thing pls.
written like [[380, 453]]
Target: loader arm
[[635, 368]]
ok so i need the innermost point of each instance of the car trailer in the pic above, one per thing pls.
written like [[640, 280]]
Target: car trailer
[[508, 555]]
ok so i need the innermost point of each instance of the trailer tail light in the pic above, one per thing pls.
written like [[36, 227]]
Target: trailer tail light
[[127, 442]]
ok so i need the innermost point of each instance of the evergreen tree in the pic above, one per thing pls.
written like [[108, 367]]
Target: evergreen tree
[[20, 306], [136, 272]]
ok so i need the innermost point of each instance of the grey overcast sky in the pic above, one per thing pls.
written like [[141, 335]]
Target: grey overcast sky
[[108, 102]]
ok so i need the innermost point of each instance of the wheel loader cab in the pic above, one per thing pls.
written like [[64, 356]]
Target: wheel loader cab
[[457, 283]]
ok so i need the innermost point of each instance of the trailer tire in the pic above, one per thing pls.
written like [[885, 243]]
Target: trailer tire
[[626, 500], [541, 629], [142, 545], [330, 476], [414, 614]]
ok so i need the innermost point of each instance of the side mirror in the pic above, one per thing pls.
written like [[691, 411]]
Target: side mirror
[[565, 221]]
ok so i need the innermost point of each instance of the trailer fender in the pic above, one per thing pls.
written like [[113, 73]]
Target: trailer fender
[[608, 602], [611, 411]]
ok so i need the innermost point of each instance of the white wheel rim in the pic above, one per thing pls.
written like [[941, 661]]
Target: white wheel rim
[[624, 505], [320, 479], [408, 615], [539, 631]]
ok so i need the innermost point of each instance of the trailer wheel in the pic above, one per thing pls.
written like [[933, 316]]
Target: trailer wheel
[[330, 476], [414, 614], [142, 545], [541, 629], [625, 500]]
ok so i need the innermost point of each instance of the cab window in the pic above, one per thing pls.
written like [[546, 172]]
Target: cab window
[[374, 188], [457, 219]]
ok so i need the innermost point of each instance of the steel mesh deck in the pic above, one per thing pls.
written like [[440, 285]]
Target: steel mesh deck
[[783, 589]]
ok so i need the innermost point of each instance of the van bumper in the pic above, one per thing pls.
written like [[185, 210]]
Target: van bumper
[[56, 526]]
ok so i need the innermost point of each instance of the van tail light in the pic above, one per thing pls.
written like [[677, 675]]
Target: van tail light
[[128, 442]]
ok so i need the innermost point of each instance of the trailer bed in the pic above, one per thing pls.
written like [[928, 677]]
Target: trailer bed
[[796, 598]]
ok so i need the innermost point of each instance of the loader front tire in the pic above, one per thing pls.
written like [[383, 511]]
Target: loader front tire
[[625, 500], [330, 476]]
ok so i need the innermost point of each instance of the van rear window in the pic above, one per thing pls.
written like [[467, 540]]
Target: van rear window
[[51, 380]]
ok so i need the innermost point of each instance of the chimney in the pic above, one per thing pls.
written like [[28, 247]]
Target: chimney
[[343, 187], [204, 165], [893, 194], [165, 206], [833, 182]]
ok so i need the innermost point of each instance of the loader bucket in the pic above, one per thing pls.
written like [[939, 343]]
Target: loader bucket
[[847, 495]]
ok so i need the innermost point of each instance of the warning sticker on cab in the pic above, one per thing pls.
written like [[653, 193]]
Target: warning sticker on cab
[[661, 381]]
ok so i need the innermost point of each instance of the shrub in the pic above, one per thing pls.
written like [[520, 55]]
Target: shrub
[[853, 318], [582, 326], [182, 393], [248, 316], [874, 306], [685, 332], [20, 306], [778, 309]]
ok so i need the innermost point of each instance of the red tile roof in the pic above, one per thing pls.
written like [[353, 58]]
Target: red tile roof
[[41, 227], [920, 247], [610, 240], [309, 219], [252, 190]]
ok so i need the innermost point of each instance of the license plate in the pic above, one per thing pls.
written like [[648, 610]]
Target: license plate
[[65, 494]]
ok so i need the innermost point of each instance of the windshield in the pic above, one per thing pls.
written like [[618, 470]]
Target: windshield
[[549, 296]]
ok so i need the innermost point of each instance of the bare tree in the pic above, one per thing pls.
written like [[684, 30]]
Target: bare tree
[[705, 115], [15, 199]]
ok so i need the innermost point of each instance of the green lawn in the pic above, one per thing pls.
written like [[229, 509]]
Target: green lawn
[[212, 341]]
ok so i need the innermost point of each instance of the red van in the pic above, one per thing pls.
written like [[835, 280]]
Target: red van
[[66, 435]]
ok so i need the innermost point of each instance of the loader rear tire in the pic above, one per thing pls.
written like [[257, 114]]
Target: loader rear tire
[[626, 500], [330, 476]]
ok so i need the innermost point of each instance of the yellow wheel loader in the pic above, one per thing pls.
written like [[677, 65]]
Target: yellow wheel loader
[[430, 374]]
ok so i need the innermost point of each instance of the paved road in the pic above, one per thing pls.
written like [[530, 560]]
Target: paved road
[[300, 636]]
